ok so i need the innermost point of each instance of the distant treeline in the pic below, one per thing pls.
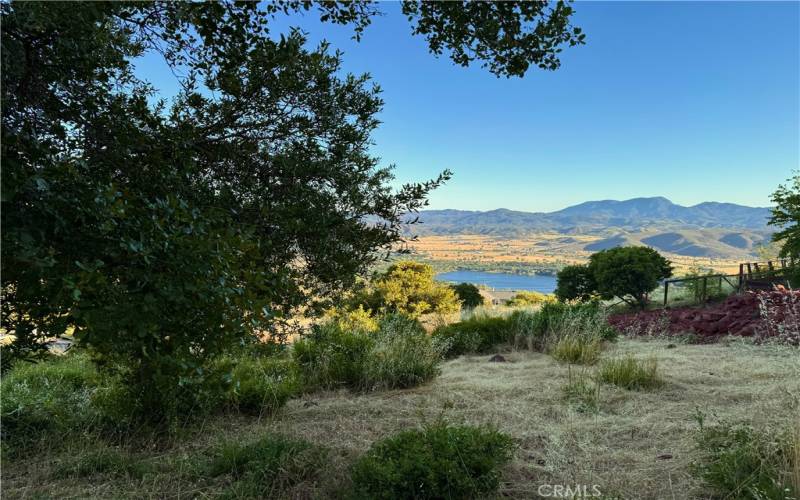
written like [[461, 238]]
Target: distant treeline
[[444, 266]]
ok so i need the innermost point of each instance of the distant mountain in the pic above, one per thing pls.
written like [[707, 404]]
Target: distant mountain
[[596, 217], [711, 229]]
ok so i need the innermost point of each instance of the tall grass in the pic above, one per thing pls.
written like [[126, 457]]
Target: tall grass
[[630, 373]]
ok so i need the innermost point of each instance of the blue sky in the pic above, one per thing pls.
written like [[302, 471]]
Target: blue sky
[[691, 101]]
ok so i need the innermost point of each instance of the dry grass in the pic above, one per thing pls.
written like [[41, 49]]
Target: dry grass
[[617, 447]]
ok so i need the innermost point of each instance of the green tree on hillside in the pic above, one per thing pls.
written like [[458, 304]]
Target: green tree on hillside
[[629, 273], [575, 283], [469, 295], [165, 234], [786, 216], [408, 287]]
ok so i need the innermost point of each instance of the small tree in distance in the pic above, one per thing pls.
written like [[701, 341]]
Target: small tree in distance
[[629, 273], [469, 295], [409, 288], [575, 283]]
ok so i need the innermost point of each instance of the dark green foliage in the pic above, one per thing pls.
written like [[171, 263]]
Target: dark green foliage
[[507, 36], [786, 215], [575, 283], [629, 273], [476, 334], [741, 462], [266, 467], [441, 461], [164, 237], [469, 295]]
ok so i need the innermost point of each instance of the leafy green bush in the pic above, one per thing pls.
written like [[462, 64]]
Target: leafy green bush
[[266, 467], [440, 461], [740, 462], [403, 355], [331, 357], [52, 396], [630, 373], [479, 333], [575, 283], [579, 349]]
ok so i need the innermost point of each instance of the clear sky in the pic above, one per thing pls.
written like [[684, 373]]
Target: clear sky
[[691, 101]]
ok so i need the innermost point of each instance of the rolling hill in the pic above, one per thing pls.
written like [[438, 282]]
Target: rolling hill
[[710, 229]]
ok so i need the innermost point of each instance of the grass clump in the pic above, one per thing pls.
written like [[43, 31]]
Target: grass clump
[[50, 397], [577, 349], [583, 392], [630, 373], [403, 355], [398, 355], [440, 461], [267, 467], [259, 385], [738, 461], [476, 334], [103, 460]]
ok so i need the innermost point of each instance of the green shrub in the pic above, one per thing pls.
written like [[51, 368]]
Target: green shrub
[[266, 467], [479, 333], [258, 384], [331, 357], [52, 396], [578, 349], [740, 462], [440, 461], [630, 373], [403, 355]]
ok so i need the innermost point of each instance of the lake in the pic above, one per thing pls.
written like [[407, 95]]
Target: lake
[[502, 281]]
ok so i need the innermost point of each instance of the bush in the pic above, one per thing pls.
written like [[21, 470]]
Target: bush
[[740, 462], [469, 295], [331, 357], [440, 461], [266, 467], [630, 373], [52, 396], [479, 333], [529, 298], [409, 288], [580, 349], [399, 355], [629, 273], [258, 385], [403, 355]]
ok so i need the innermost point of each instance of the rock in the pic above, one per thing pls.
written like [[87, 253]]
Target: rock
[[664, 456], [497, 359], [671, 346]]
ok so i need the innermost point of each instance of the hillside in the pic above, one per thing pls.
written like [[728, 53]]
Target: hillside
[[707, 230]]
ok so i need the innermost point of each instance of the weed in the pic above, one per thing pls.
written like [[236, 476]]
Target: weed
[[630, 373]]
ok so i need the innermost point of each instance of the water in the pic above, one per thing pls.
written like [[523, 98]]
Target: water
[[502, 281]]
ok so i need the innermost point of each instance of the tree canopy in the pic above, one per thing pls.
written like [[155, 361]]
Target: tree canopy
[[163, 233], [628, 273], [786, 216], [469, 295], [575, 282]]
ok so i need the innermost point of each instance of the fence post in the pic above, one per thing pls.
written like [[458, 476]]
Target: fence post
[[705, 287], [666, 287]]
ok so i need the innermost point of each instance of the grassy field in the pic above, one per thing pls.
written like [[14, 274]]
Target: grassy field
[[636, 444], [544, 250]]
